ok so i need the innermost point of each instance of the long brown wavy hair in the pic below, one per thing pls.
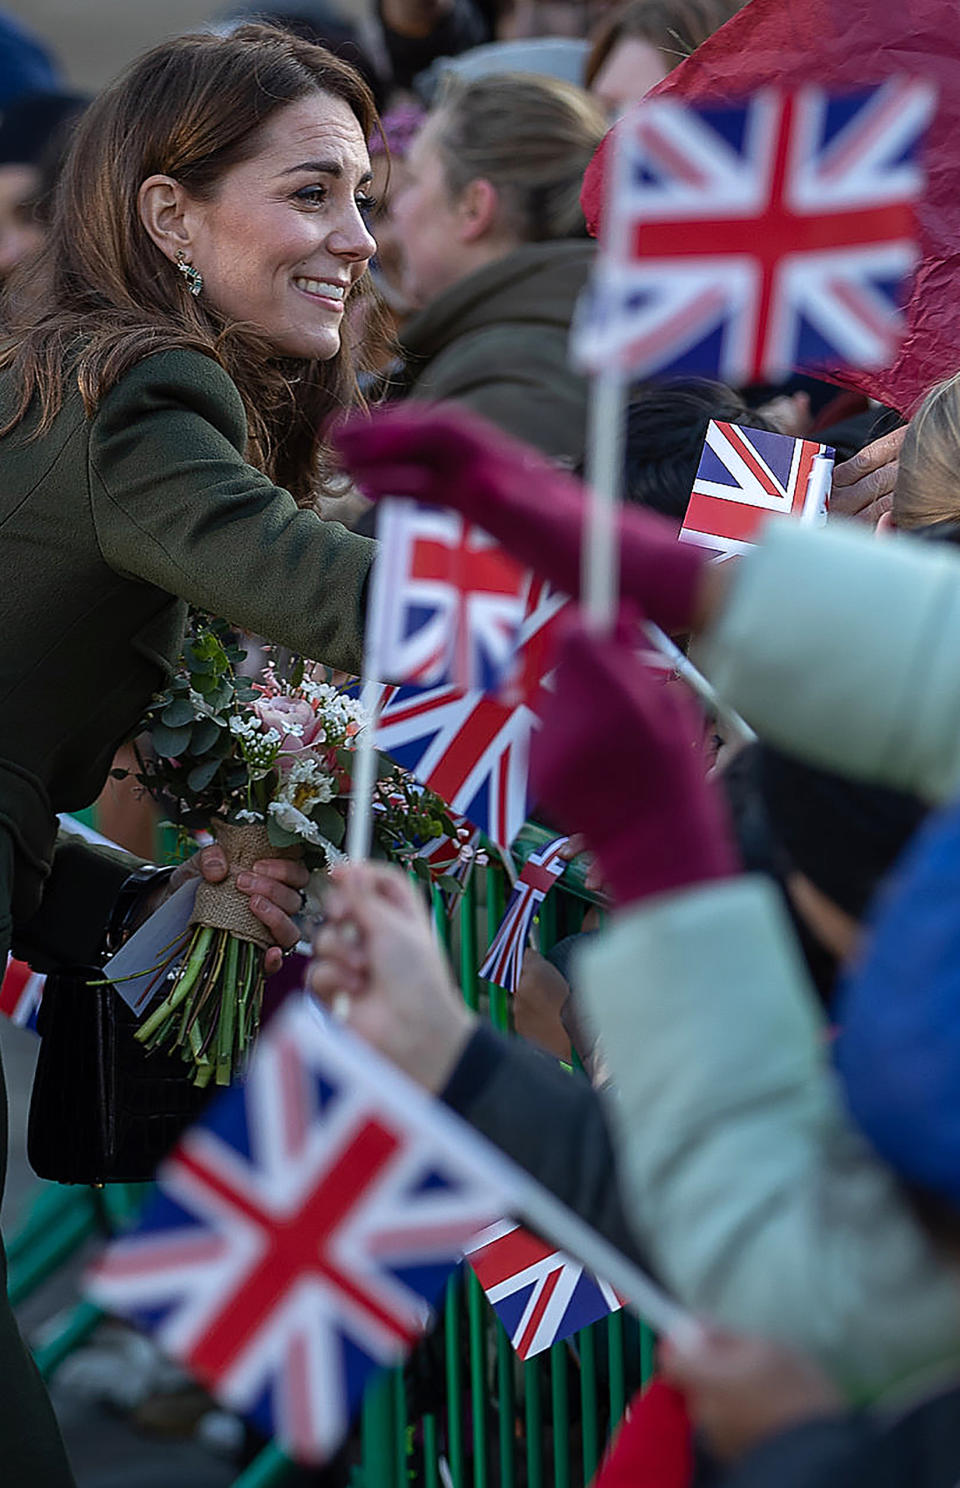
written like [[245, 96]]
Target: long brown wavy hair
[[102, 296]]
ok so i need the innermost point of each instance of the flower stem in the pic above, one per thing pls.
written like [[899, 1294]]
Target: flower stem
[[188, 976]]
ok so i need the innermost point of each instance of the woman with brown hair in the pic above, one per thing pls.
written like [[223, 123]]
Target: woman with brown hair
[[176, 355], [644, 40]]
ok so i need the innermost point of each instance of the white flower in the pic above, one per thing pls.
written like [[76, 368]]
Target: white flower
[[292, 820], [306, 784], [248, 816]]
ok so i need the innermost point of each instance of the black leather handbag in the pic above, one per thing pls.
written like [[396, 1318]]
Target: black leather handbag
[[102, 1110]]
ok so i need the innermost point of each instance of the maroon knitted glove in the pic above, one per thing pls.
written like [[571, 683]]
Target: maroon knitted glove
[[618, 759], [450, 458]]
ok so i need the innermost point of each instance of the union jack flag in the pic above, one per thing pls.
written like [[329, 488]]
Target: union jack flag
[[744, 476], [470, 747], [742, 242], [20, 994], [504, 959], [301, 1230], [447, 602], [539, 1294]]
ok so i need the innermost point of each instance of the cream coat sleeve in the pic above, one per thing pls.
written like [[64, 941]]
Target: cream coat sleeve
[[755, 1199], [845, 649]]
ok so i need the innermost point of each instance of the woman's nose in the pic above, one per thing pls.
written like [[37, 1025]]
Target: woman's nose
[[352, 238]]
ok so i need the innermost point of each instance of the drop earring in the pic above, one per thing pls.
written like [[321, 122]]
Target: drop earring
[[193, 277]]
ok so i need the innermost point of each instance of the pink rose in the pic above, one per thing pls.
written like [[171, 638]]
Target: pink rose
[[280, 712]]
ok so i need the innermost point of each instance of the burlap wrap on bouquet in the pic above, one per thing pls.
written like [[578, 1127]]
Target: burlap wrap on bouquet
[[222, 905]]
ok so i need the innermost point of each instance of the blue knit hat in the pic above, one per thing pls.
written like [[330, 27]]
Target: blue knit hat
[[25, 64], [898, 1049]]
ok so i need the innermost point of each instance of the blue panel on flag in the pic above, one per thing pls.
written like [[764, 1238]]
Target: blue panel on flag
[[729, 123], [713, 469], [776, 451], [415, 617], [510, 1309]]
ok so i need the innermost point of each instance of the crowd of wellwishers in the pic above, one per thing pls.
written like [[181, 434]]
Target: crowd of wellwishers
[[772, 1015]]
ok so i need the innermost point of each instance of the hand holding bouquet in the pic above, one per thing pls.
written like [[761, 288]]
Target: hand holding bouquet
[[264, 768]]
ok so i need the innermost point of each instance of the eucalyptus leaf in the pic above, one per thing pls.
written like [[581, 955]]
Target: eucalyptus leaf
[[177, 713], [170, 742], [205, 734], [279, 836], [201, 775], [330, 822]]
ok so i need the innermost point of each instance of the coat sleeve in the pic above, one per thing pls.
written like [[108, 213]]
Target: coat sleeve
[[843, 648], [68, 928], [755, 1198], [175, 504], [551, 1123]]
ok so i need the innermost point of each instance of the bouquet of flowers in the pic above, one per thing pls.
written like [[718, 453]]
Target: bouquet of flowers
[[265, 767]]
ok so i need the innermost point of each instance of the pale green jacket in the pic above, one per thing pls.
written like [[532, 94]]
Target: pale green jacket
[[845, 648], [756, 1200], [748, 1186]]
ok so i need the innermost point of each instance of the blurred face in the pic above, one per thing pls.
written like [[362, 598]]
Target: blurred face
[[285, 238], [21, 236], [630, 71], [425, 222]]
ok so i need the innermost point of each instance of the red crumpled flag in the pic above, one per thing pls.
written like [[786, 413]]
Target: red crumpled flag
[[845, 45]]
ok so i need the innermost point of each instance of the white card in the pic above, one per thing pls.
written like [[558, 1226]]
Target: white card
[[136, 961]]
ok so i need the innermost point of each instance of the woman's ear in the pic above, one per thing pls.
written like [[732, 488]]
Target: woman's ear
[[478, 209], [164, 213]]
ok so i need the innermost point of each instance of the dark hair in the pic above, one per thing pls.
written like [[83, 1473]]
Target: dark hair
[[675, 27], [665, 429], [102, 295]]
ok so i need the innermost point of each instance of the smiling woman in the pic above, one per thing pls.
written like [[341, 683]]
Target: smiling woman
[[177, 352]]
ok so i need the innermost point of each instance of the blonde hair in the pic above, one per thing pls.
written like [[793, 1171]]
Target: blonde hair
[[531, 137], [928, 478]]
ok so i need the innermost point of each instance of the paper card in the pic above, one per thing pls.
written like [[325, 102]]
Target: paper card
[[136, 961]]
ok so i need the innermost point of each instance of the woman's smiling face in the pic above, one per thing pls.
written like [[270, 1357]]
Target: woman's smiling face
[[283, 239]]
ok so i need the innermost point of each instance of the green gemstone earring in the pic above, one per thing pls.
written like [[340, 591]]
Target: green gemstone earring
[[193, 276]]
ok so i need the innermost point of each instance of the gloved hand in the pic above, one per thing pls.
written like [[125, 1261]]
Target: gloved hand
[[447, 457], [618, 758]]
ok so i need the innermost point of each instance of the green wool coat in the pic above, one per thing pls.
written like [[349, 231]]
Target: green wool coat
[[109, 527], [496, 342]]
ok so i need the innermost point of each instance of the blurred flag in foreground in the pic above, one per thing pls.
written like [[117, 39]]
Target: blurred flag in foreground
[[539, 1294], [300, 1232], [20, 992], [447, 602], [472, 747], [746, 475], [741, 242]]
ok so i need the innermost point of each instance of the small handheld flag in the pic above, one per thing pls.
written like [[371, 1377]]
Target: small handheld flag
[[745, 476], [540, 1295]]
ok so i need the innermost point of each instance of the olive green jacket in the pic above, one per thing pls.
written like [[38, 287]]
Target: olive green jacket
[[497, 343], [109, 527]]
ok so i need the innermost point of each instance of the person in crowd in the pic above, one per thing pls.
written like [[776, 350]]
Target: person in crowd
[[765, 1412], [418, 32], [489, 224], [924, 492], [641, 42], [163, 397], [26, 64], [33, 135], [324, 25]]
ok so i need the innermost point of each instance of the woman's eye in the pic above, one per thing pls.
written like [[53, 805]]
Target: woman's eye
[[312, 195]]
